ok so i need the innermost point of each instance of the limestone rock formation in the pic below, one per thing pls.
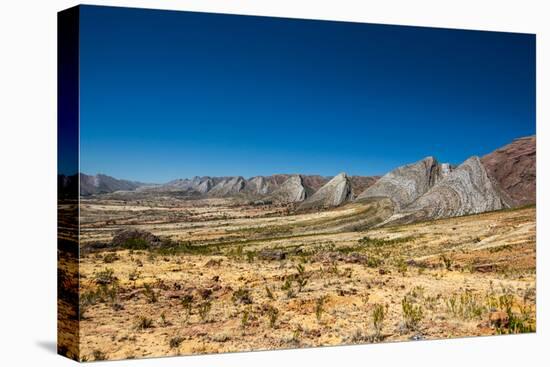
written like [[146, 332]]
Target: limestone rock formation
[[512, 169], [334, 193], [406, 183], [466, 190], [228, 186], [102, 184], [291, 191]]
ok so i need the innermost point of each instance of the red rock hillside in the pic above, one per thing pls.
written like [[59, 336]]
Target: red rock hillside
[[513, 169]]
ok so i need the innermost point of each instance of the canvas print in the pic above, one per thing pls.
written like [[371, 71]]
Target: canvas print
[[238, 183]]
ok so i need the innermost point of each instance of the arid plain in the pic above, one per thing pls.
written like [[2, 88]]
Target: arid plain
[[249, 277]]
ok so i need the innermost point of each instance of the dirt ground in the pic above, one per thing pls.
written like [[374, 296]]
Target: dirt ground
[[239, 278]]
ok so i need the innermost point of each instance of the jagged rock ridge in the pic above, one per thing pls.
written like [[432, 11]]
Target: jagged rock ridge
[[292, 190], [334, 193], [466, 190], [406, 183], [102, 184]]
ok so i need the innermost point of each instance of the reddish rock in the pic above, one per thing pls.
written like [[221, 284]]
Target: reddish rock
[[512, 169]]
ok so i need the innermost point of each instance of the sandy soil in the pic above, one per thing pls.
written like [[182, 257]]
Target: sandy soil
[[250, 278]]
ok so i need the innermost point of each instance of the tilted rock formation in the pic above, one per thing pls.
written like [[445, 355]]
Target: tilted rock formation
[[406, 183], [258, 185], [102, 184], [205, 186], [334, 193], [291, 191], [512, 169], [466, 190], [228, 186]]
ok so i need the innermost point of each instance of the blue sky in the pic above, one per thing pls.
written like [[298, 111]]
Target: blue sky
[[167, 95]]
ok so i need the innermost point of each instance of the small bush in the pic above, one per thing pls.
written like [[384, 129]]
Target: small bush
[[104, 277], [110, 258], [320, 308], [175, 342], [187, 303], [204, 309], [149, 293], [273, 315], [378, 315], [412, 314], [242, 295], [467, 306], [144, 322]]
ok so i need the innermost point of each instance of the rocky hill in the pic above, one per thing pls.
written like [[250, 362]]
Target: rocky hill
[[361, 183], [422, 190], [406, 183], [465, 190], [334, 193], [512, 169], [293, 190], [227, 186], [103, 184]]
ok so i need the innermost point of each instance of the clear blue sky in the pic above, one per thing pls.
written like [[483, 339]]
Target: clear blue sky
[[167, 95]]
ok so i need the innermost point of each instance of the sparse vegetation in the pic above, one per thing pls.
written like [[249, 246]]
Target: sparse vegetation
[[144, 322], [150, 293], [378, 315], [412, 314], [242, 296], [175, 342], [320, 307], [204, 310], [273, 315], [211, 288]]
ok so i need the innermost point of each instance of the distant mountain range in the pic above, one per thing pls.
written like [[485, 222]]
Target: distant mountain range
[[425, 189]]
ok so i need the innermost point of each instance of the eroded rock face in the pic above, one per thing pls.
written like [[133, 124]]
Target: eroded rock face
[[512, 169], [406, 183], [228, 186], [291, 191], [334, 193], [102, 184], [465, 190], [205, 185], [258, 185]]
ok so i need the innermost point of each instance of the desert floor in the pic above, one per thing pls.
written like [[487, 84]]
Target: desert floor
[[239, 278]]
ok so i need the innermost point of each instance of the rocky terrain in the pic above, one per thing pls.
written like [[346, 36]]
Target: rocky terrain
[[100, 184], [465, 190], [200, 276], [334, 193], [512, 169], [407, 183], [225, 264], [426, 189]]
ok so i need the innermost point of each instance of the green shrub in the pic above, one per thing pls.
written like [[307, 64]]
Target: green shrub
[[105, 276], [378, 315], [135, 244], [412, 314]]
